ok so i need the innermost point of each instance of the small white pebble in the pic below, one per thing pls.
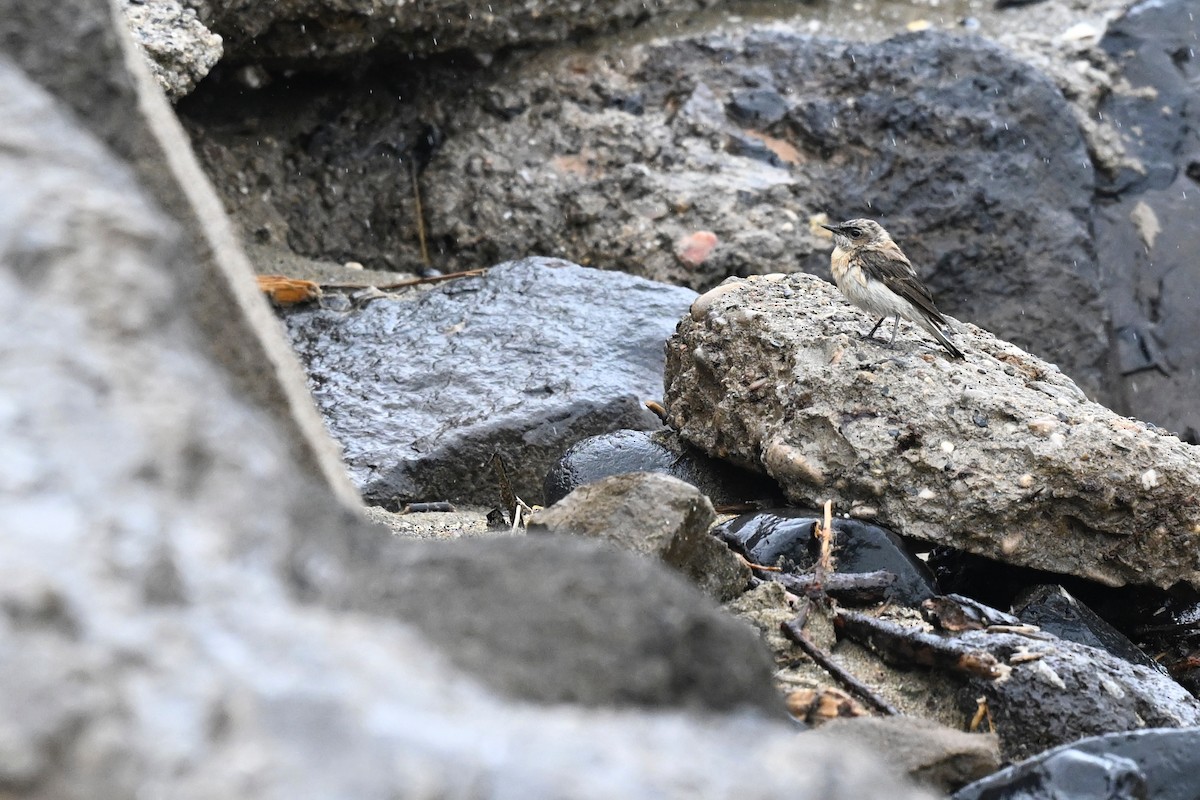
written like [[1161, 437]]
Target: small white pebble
[[926, 494], [1149, 479], [1025, 481], [947, 447], [353, 265], [1043, 426], [1057, 439]]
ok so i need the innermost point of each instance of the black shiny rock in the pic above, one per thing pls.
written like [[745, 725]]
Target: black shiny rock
[[619, 452], [765, 537], [1162, 764]]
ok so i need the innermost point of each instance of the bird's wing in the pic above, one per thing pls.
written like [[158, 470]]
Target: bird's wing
[[896, 272]]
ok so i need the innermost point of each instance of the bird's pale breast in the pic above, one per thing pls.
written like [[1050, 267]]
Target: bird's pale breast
[[870, 295]]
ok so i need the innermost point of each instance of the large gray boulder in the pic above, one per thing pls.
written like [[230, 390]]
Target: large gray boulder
[[187, 612], [972, 158], [1000, 454]]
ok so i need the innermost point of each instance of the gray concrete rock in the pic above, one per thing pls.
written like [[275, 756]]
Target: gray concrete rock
[[421, 389], [158, 635], [312, 32], [942, 758], [181, 51], [652, 515], [999, 455]]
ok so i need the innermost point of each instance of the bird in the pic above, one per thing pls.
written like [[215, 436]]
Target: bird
[[874, 274]]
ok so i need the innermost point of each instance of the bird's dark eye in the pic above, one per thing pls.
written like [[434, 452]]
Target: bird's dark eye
[[854, 232]]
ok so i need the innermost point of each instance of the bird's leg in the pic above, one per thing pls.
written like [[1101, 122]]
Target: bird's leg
[[878, 322], [895, 326]]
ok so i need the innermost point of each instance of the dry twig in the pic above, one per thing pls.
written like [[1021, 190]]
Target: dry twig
[[795, 632]]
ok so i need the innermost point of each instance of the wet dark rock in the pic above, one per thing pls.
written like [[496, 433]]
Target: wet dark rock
[[1159, 764], [942, 758], [661, 451], [421, 389], [970, 157], [942, 137], [1041, 691], [652, 515], [766, 537], [1055, 611], [773, 371], [1145, 236], [758, 108]]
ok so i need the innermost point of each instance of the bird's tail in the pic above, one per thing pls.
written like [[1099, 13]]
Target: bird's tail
[[945, 342]]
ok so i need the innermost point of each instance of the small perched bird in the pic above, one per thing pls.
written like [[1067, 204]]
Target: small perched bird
[[874, 274]]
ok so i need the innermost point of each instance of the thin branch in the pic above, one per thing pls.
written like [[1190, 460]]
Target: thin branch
[[795, 632]]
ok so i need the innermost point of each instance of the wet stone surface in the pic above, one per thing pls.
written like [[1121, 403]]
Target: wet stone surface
[[423, 388], [1161, 764], [1146, 235], [784, 537], [661, 451], [1040, 691]]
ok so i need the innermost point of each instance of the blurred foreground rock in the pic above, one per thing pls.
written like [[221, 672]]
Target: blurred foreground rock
[[104, 81], [187, 610], [1000, 455]]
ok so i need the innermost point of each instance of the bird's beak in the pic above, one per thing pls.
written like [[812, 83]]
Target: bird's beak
[[833, 228]]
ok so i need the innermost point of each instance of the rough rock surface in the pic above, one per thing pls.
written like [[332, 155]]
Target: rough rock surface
[[1145, 232], [653, 515], [999, 455], [934, 755], [181, 51], [308, 32], [971, 158], [1041, 691], [689, 161], [421, 389], [151, 637]]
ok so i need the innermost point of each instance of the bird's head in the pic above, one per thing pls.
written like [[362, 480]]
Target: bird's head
[[857, 232]]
